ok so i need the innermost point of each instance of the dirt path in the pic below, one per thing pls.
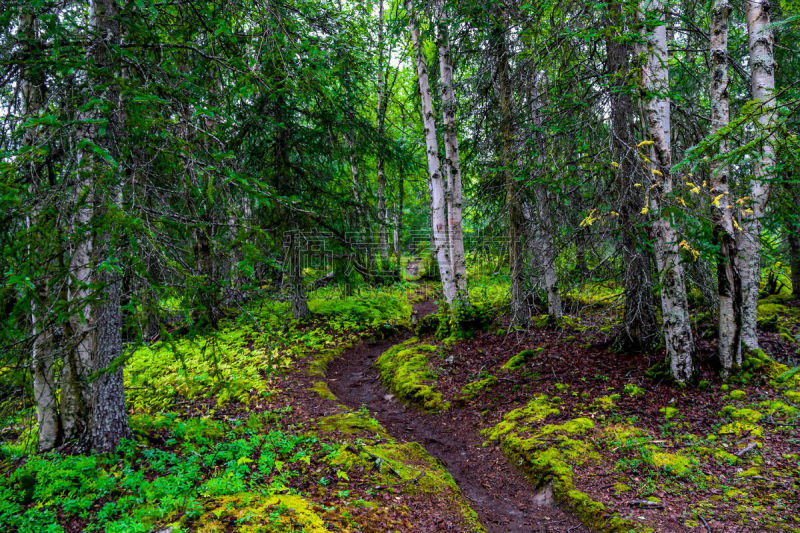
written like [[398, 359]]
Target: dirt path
[[503, 498]]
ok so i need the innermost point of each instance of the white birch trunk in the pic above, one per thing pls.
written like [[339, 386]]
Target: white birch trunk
[[729, 286], [455, 197], [674, 305], [762, 66], [435, 182]]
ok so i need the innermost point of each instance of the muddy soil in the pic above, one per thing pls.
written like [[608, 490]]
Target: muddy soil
[[503, 498]]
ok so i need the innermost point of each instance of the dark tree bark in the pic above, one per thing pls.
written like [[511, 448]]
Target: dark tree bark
[[640, 325], [520, 310], [107, 423]]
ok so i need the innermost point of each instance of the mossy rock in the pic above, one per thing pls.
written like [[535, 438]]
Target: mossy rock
[[746, 414], [673, 463], [405, 370], [549, 455]]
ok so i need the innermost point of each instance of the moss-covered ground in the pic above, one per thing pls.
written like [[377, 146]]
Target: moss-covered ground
[[222, 440]]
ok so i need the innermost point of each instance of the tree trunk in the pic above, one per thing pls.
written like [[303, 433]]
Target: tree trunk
[[398, 218], [520, 310], [435, 181], [383, 219], [544, 234], [793, 236], [729, 285], [297, 289], [32, 91], [452, 158], [107, 423], [674, 306], [762, 66], [640, 324]]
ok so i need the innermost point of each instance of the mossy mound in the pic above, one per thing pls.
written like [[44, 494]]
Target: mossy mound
[[549, 453], [520, 359], [322, 389], [405, 371], [473, 388], [351, 423]]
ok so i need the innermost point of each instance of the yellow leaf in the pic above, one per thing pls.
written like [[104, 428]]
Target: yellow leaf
[[637, 184], [696, 190], [736, 225], [656, 172], [615, 164], [645, 210], [690, 184], [715, 201], [644, 143], [681, 201]]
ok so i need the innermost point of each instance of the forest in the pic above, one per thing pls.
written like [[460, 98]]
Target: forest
[[400, 266]]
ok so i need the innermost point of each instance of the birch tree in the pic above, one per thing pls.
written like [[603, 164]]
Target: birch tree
[[435, 179], [455, 234], [729, 284], [762, 80], [674, 305]]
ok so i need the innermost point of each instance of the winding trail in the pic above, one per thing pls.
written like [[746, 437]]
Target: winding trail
[[503, 498]]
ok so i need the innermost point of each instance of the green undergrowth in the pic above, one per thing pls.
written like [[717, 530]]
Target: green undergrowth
[[405, 370], [233, 363]]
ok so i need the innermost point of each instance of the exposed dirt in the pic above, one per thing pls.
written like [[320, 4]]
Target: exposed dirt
[[503, 498]]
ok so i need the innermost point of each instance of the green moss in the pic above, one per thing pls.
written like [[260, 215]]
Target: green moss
[[409, 464], [722, 457], [318, 365], [674, 463], [470, 390], [750, 472], [322, 389], [737, 394], [350, 424], [621, 488], [748, 415], [539, 408], [520, 359], [549, 453], [254, 512], [792, 395], [404, 369], [669, 412], [739, 428], [779, 408], [605, 403], [633, 390]]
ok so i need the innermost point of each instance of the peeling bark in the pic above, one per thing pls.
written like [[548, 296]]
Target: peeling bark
[[729, 284], [762, 77], [452, 159], [435, 181], [674, 306]]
